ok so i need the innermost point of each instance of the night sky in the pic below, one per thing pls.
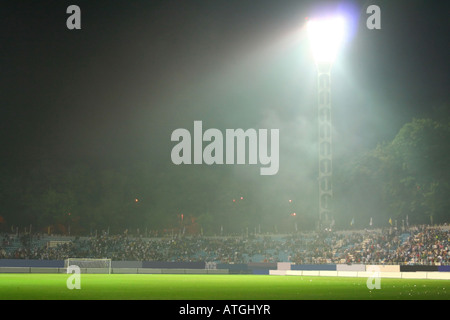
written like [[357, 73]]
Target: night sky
[[111, 93]]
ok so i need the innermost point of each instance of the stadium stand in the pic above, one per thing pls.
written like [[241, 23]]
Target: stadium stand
[[419, 245]]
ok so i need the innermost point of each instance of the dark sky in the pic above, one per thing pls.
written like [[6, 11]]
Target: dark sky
[[112, 92]]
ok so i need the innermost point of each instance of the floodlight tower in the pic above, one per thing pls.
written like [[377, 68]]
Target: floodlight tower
[[326, 36]]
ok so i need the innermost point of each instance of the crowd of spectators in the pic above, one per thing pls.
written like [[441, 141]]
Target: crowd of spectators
[[417, 245]]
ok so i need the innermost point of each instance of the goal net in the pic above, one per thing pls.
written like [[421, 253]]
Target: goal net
[[90, 265]]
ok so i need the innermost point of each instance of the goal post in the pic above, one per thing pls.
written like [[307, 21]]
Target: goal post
[[91, 265]]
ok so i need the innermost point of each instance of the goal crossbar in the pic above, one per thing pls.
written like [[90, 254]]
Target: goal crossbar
[[88, 263]]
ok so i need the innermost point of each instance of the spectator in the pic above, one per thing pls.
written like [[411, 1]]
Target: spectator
[[421, 245]]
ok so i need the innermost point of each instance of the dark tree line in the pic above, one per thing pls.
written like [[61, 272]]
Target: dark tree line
[[405, 180]]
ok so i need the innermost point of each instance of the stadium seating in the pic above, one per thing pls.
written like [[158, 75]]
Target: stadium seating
[[419, 245]]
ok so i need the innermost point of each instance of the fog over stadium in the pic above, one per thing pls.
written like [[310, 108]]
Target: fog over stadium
[[87, 116], [242, 151]]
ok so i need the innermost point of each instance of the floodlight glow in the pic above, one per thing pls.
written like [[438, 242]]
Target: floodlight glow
[[326, 37]]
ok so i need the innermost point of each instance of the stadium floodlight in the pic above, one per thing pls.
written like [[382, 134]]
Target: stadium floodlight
[[326, 37]]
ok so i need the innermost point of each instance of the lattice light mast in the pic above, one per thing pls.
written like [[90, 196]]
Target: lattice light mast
[[326, 36]]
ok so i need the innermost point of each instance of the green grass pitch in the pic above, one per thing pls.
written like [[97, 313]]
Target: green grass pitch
[[215, 287]]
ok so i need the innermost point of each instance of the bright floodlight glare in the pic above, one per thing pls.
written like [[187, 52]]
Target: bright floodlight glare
[[326, 37]]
